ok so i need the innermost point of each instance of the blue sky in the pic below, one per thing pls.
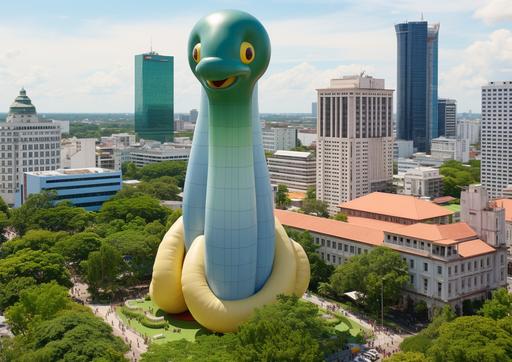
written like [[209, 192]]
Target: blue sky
[[77, 56]]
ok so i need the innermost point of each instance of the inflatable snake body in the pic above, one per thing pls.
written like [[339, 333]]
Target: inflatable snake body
[[237, 257]]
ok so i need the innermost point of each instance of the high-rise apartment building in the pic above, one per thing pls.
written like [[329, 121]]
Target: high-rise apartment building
[[469, 129], [355, 139], [496, 140], [154, 96], [447, 117], [314, 108], [417, 115], [27, 144]]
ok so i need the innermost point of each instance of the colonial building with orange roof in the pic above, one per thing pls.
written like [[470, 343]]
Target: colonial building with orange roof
[[448, 263]]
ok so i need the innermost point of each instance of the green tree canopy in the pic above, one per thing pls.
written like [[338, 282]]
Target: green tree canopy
[[35, 239], [281, 198], [63, 217], [77, 247], [103, 268], [289, 330], [457, 175], [144, 206], [368, 273], [406, 357], [23, 217], [11, 290], [499, 306]]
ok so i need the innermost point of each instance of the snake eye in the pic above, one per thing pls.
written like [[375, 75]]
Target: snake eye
[[196, 52], [247, 53]]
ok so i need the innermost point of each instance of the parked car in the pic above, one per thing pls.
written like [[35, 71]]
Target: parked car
[[370, 356]]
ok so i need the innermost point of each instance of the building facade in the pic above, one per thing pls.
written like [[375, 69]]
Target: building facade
[[78, 152], [296, 170], [423, 182], [417, 78], [354, 139], [154, 96], [445, 149], [448, 263], [144, 155], [87, 187], [27, 144], [496, 141], [447, 117], [469, 129], [402, 149], [279, 138]]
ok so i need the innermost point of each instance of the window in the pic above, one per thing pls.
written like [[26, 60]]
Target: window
[[352, 249], [439, 288], [462, 268], [334, 245], [359, 250], [425, 266], [328, 243], [411, 263], [456, 269], [449, 270], [411, 279], [425, 285], [439, 269], [323, 242], [346, 248]]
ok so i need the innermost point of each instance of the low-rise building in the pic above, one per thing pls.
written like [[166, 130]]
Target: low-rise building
[[78, 152], [445, 149], [507, 205], [296, 170], [87, 187], [448, 263], [307, 136], [423, 182], [165, 152], [279, 138]]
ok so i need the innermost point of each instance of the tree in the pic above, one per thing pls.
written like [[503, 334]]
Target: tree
[[10, 291], [36, 239], [162, 188], [76, 248], [310, 205], [42, 266], [102, 269], [22, 218], [340, 216], [144, 206], [63, 217], [456, 175], [130, 171], [282, 200], [471, 338], [320, 271], [499, 306], [406, 357], [176, 169], [382, 269], [37, 303], [289, 330], [171, 219], [212, 347]]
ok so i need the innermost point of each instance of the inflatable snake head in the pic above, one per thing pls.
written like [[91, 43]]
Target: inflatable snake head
[[228, 51]]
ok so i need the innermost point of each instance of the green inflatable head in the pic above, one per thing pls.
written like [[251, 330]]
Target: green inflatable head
[[228, 51]]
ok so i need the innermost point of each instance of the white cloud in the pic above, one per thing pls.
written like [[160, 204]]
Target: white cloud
[[481, 62], [495, 11]]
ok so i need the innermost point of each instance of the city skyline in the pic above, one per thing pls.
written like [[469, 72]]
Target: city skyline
[[84, 59]]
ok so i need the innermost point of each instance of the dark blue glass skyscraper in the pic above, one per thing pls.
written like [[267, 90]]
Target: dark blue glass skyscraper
[[417, 83]]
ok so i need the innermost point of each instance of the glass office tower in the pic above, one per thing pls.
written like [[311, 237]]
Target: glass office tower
[[417, 117], [154, 97]]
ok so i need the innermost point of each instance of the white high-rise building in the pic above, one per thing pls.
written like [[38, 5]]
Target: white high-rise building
[[496, 140], [279, 138], [78, 152], [27, 144], [355, 139]]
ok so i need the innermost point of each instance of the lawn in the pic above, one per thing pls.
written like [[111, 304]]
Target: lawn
[[188, 329]]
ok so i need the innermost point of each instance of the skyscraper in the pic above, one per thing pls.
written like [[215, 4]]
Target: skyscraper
[[28, 144], [496, 137], [154, 96], [447, 117], [417, 83], [354, 139]]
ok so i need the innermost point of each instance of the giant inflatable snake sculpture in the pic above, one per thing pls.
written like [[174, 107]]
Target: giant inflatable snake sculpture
[[227, 255]]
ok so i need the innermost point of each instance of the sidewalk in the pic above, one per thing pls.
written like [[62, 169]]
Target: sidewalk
[[386, 341], [108, 314]]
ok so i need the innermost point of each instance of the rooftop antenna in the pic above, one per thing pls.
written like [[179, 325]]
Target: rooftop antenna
[[422, 16]]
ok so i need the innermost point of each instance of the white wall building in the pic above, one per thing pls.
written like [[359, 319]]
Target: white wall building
[[403, 149], [297, 170], [469, 129], [423, 182], [27, 144], [444, 148], [78, 152], [119, 140], [165, 152], [279, 138], [307, 137], [64, 126], [355, 139], [496, 143]]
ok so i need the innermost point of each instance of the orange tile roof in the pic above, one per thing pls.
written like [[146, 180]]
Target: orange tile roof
[[469, 249], [296, 195], [507, 205], [443, 199], [402, 206], [434, 232], [331, 227], [375, 224]]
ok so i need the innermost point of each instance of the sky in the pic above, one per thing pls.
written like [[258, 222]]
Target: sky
[[78, 56]]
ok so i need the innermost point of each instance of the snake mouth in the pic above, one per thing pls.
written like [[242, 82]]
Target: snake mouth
[[222, 83]]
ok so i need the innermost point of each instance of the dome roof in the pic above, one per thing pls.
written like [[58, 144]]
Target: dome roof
[[22, 104]]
